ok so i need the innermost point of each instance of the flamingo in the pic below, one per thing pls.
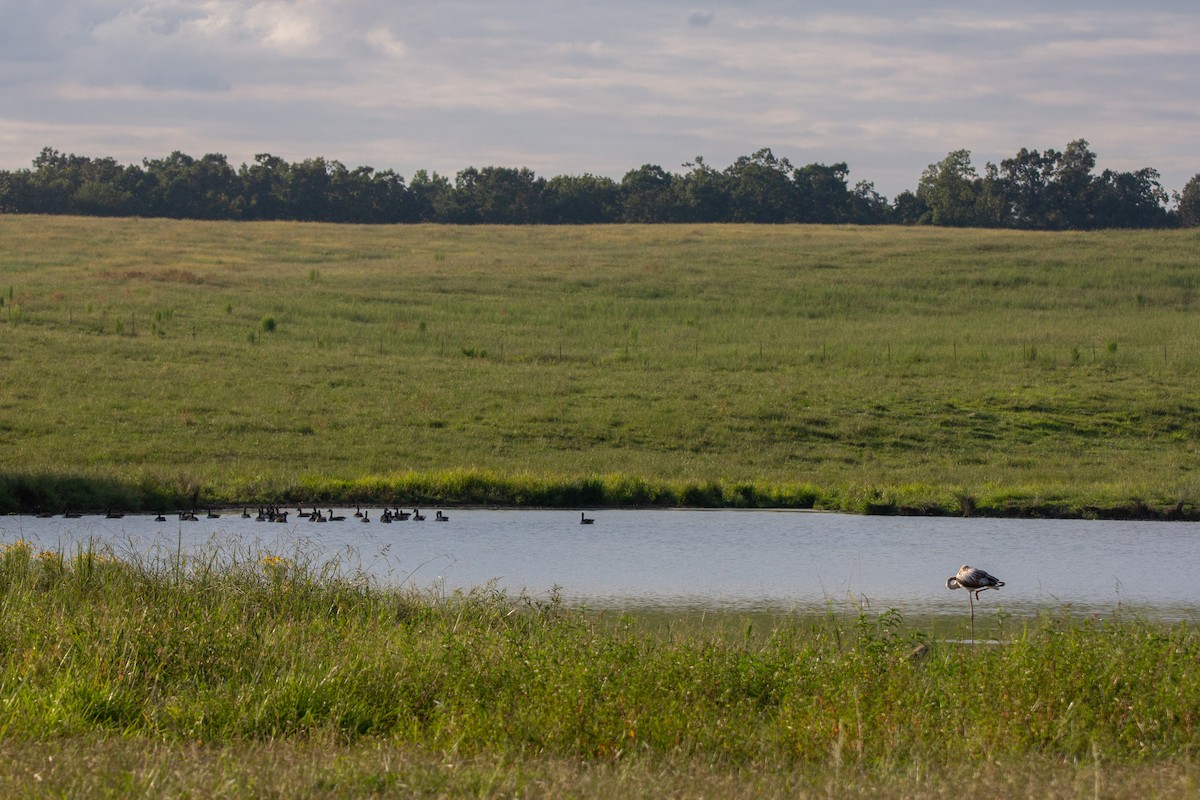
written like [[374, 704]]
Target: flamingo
[[974, 580]]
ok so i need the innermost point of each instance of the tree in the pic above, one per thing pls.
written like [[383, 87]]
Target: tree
[[182, 187], [761, 189], [1024, 184], [821, 193], [429, 197], [306, 191], [1188, 203], [1128, 200], [56, 176], [909, 209], [581, 199], [101, 198], [497, 195], [647, 195], [461, 205], [703, 193], [1068, 191], [992, 209], [362, 195], [950, 189], [389, 196], [867, 206], [1048, 190], [17, 192], [263, 185], [102, 187]]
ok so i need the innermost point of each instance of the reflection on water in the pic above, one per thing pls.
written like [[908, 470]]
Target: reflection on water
[[719, 560]]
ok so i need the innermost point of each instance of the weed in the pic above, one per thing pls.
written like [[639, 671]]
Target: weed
[[237, 647]]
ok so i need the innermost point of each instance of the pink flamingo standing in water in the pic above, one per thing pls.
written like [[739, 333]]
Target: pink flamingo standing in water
[[974, 580]]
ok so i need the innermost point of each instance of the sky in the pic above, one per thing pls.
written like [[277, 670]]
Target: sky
[[568, 88]]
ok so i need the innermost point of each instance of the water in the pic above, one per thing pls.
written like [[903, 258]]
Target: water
[[718, 560]]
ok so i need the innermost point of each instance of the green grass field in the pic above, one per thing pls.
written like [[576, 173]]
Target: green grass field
[[153, 363], [249, 673]]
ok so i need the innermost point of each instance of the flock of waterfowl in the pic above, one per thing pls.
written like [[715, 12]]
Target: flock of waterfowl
[[276, 514]]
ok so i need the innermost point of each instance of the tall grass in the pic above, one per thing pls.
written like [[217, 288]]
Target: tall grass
[[861, 369], [245, 646]]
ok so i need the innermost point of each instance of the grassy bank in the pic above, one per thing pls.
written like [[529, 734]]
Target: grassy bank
[[263, 673], [161, 363]]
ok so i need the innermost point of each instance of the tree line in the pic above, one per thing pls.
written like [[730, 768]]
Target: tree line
[[1048, 190]]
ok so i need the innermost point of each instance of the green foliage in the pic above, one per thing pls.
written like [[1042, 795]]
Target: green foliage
[[1049, 190], [1189, 203], [950, 190], [236, 646]]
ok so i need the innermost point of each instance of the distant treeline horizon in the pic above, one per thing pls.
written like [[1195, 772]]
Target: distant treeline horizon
[[1049, 190]]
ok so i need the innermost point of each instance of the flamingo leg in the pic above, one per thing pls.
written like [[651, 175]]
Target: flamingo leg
[[972, 602]]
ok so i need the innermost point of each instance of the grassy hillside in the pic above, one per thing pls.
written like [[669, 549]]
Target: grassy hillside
[[148, 362]]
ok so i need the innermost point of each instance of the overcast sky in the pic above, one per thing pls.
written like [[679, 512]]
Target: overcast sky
[[603, 87]]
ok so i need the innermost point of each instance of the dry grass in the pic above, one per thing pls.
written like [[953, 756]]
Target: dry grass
[[97, 768]]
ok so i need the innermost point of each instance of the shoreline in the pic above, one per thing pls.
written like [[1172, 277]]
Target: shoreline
[[30, 494]]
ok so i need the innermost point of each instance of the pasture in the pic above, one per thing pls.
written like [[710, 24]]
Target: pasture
[[155, 363]]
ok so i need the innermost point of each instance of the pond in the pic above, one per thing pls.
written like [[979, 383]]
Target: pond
[[720, 560]]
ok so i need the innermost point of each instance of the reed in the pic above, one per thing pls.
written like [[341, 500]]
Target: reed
[[859, 369], [233, 655]]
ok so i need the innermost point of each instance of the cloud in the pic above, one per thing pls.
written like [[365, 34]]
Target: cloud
[[290, 27], [381, 38], [602, 88]]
